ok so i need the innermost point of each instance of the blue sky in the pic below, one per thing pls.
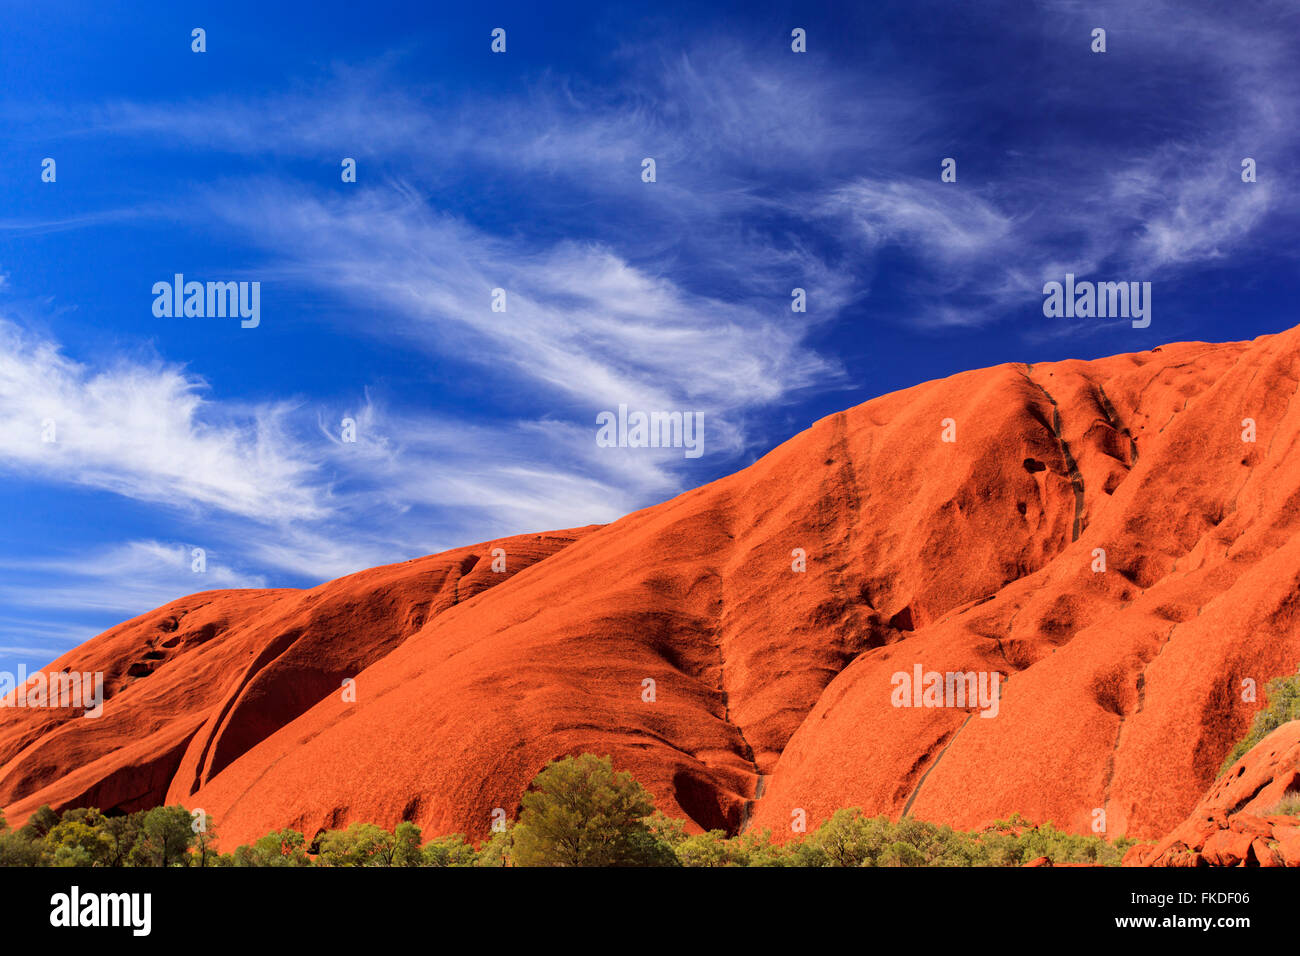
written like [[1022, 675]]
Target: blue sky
[[522, 171]]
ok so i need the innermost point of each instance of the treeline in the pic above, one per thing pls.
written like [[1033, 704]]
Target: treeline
[[578, 812]]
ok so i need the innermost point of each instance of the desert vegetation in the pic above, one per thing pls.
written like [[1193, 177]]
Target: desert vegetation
[[579, 811]]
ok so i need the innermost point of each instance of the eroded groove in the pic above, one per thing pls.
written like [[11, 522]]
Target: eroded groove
[[747, 811], [1116, 423], [916, 791], [1072, 467], [719, 635], [907, 807], [747, 752], [1141, 685], [853, 492]]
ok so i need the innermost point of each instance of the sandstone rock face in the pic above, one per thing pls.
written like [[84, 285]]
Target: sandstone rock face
[[773, 689], [194, 684], [1234, 825]]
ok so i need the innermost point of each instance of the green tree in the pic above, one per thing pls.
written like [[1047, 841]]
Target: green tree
[[580, 812], [406, 845], [244, 855], [448, 851], [164, 837], [850, 839], [205, 839], [710, 849], [279, 848], [19, 849], [899, 853], [361, 844], [804, 852], [79, 842], [666, 829], [122, 832], [758, 849], [498, 849], [40, 823]]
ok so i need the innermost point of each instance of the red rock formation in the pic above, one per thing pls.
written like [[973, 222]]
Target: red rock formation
[[772, 687], [1235, 824], [192, 685]]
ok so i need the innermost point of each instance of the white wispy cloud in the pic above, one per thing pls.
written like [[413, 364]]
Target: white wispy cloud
[[145, 431], [1139, 207], [124, 579], [273, 487], [581, 321]]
